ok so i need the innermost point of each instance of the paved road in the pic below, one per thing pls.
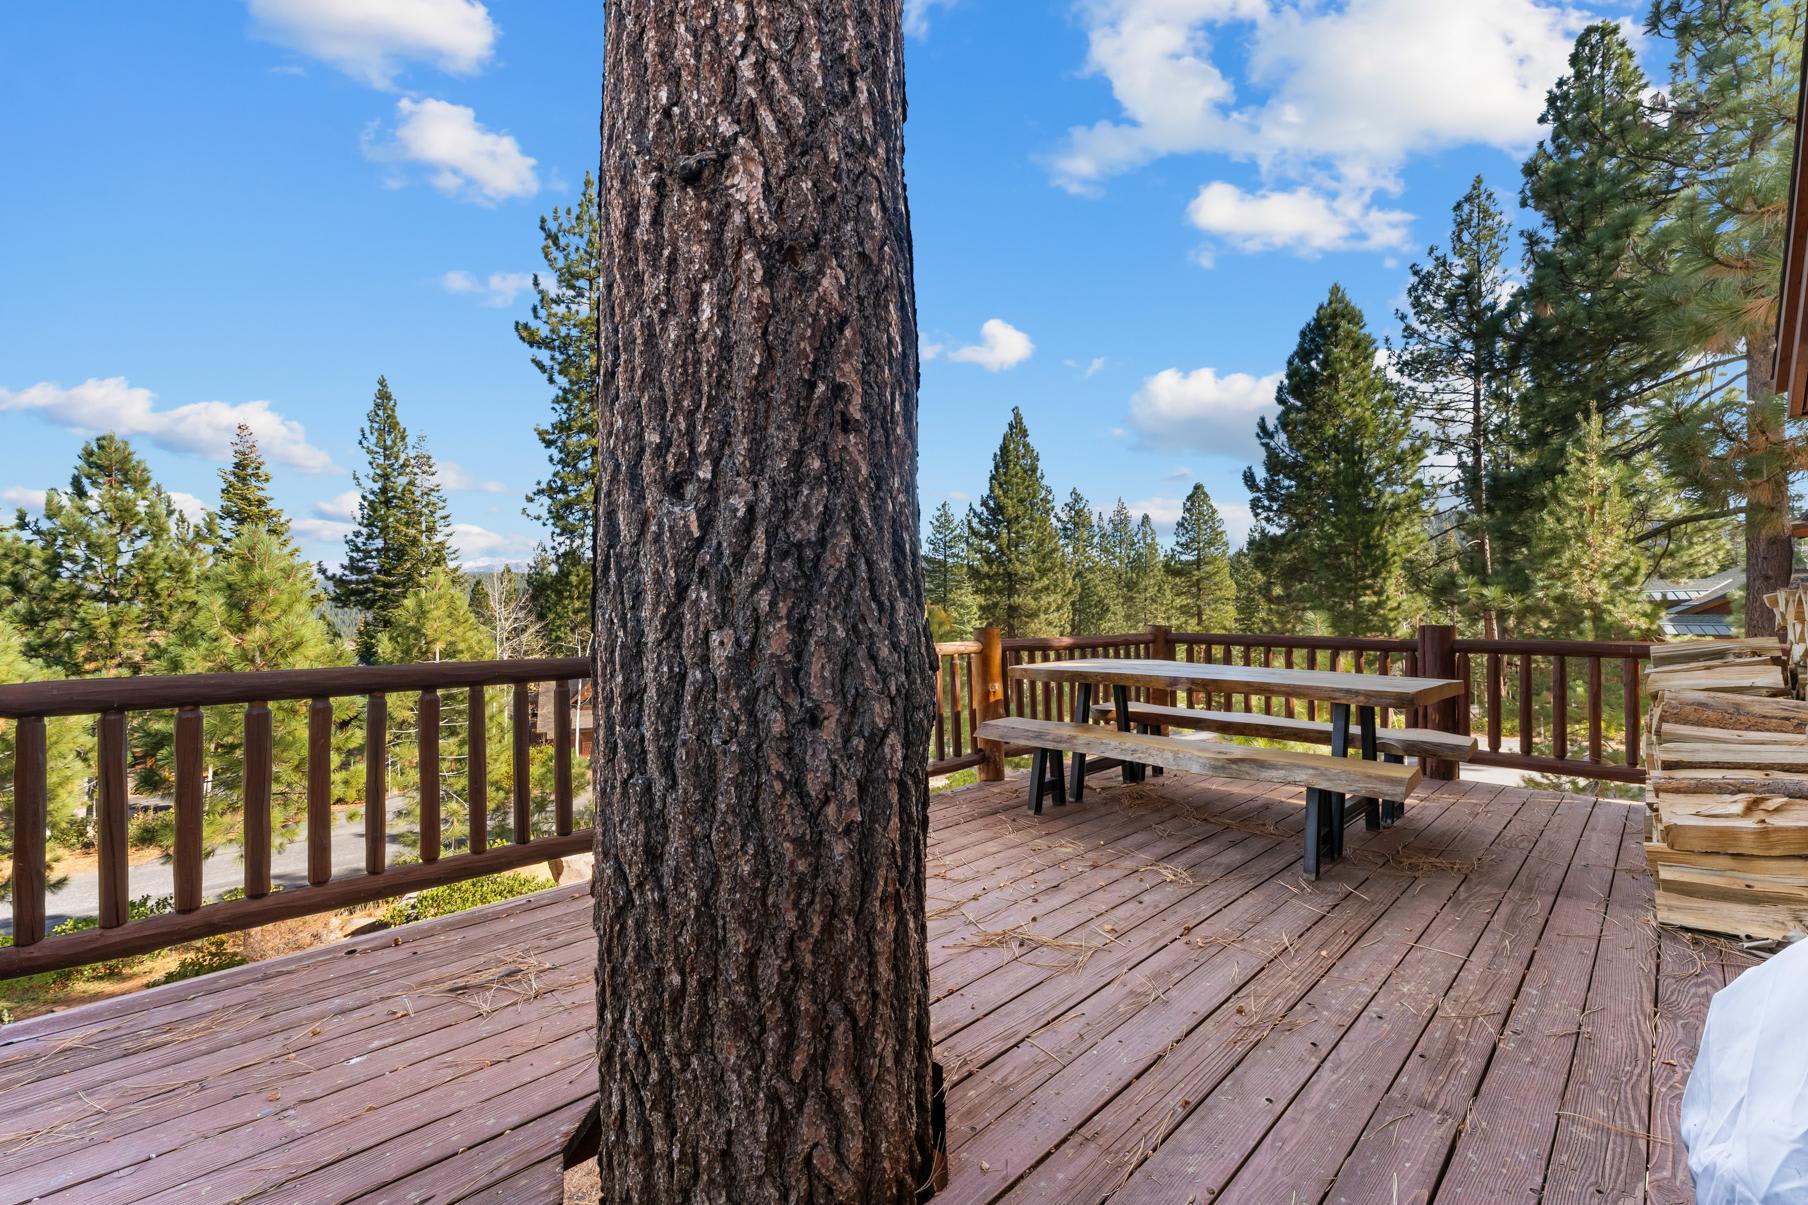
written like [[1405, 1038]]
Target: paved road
[[80, 896]]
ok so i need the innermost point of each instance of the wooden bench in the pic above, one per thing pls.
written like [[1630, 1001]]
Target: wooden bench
[[1327, 779], [1401, 742]]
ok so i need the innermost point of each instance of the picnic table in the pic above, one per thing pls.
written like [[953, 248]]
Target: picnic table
[[1351, 696]]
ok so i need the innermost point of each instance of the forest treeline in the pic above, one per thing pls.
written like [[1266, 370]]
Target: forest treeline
[[1555, 418]]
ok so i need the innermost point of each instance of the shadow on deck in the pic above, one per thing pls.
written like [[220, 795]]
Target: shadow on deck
[[1137, 997]]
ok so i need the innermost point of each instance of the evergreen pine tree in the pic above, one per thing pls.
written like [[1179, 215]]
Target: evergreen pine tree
[[1589, 340], [435, 623], [259, 609], [400, 536], [245, 503], [1339, 505], [1145, 578], [1728, 128], [946, 582], [1019, 576], [109, 569], [1585, 542], [1457, 353], [1093, 591], [1117, 554], [561, 337], [1203, 592]]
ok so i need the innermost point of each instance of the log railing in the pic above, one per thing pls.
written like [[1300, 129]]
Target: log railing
[[114, 702]]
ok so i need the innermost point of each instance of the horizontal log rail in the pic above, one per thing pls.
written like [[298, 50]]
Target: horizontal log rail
[[115, 702]]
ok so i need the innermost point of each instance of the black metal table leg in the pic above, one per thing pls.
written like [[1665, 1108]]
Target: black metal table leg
[[1393, 809], [1120, 706], [1082, 715], [1038, 769], [1315, 818], [1371, 807], [1340, 747]]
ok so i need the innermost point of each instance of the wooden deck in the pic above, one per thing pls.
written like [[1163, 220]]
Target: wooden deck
[[1137, 997]]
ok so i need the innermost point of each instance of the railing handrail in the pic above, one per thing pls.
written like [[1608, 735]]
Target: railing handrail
[[1558, 648], [92, 696]]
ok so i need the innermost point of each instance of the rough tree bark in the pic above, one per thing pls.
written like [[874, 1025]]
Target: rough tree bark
[[1769, 552], [763, 666]]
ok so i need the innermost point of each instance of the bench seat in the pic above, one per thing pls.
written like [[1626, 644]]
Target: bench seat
[[1326, 779], [1402, 742]]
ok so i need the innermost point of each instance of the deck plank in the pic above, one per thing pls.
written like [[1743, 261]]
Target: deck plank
[[1088, 967]]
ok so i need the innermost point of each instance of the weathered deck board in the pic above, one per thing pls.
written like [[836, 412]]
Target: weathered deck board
[[1136, 996]]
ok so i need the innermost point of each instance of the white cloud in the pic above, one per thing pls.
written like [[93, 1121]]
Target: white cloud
[[1302, 220], [455, 476], [203, 428], [1092, 369], [470, 542], [1336, 95], [959, 496], [1163, 512], [1237, 521], [18, 495], [339, 506], [499, 290], [462, 158], [325, 530], [188, 505], [1000, 346], [370, 41], [916, 15], [1202, 411], [929, 351], [1181, 474]]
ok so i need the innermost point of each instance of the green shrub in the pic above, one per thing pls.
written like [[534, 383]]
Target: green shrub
[[461, 897]]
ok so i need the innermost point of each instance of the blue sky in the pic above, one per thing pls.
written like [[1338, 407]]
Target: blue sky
[[1123, 211]]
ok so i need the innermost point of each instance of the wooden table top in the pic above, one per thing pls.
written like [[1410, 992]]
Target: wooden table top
[[1362, 690]]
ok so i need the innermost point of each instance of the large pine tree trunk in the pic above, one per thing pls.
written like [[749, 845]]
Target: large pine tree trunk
[[763, 667], [1768, 550]]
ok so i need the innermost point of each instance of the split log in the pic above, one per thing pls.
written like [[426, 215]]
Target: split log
[[1686, 652], [1732, 919], [1688, 734], [1747, 679], [1766, 824], [1741, 878], [1743, 713], [1723, 755]]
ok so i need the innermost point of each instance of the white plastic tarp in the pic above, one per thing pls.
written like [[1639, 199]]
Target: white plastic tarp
[[1745, 1111]]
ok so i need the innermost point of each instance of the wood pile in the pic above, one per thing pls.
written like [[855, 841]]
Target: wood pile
[[1728, 789]]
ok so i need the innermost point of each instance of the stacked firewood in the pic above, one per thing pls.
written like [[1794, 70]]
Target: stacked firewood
[[1728, 789]]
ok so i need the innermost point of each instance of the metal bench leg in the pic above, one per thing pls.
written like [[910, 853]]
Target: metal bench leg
[[1393, 809], [1314, 830], [1082, 715], [1057, 780], [1372, 808], [1340, 747], [1038, 766]]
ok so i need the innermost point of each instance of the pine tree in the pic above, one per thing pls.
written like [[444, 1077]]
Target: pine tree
[[1585, 541], [1204, 595], [1019, 577], [401, 532], [1094, 594], [1458, 354], [946, 574], [1145, 579], [561, 337], [435, 623], [1117, 552], [1339, 505], [245, 503], [1728, 132], [107, 572], [259, 609], [1589, 341]]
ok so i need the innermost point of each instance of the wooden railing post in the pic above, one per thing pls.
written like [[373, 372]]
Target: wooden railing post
[[1161, 648], [1437, 659], [988, 697]]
